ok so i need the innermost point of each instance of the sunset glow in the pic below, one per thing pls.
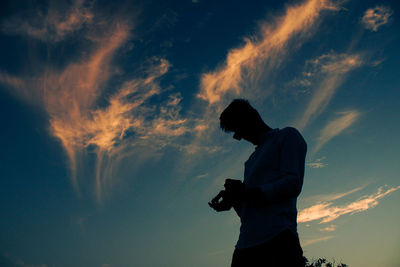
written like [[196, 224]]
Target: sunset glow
[[111, 145]]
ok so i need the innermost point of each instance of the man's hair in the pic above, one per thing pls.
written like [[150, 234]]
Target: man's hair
[[239, 113]]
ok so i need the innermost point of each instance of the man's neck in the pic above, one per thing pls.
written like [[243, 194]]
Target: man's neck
[[260, 134]]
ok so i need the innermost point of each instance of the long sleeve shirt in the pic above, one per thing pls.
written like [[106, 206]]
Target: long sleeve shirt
[[277, 168]]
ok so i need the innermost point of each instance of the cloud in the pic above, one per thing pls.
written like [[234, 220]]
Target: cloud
[[55, 25], [329, 228], [245, 61], [249, 64], [201, 176], [317, 164], [17, 86], [335, 127], [328, 73], [13, 81], [332, 197], [326, 212], [127, 121], [99, 120], [374, 18], [69, 97], [316, 240], [123, 125]]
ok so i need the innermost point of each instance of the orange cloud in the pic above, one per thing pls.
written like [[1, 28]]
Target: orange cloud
[[70, 97], [326, 212], [374, 18], [243, 61], [332, 197], [329, 70], [105, 129], [316, 240], [53, 26], [335, 127], [329, 228]]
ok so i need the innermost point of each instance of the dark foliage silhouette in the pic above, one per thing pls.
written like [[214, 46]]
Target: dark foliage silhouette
[[322, 262]]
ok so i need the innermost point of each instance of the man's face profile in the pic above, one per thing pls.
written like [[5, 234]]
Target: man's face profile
[[240, 131]]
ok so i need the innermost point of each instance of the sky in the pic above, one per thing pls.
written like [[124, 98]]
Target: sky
[[110, 139]]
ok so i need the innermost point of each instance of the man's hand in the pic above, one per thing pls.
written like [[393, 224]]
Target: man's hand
[[239, 193], [221, 202], [235, 189]]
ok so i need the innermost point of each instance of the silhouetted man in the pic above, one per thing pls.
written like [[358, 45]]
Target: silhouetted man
[[266, 199]]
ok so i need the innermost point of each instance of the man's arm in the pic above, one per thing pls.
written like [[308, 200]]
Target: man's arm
[[292, 157], [237, 207]]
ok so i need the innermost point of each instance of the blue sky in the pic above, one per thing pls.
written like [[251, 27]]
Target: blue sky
[[110, 140]]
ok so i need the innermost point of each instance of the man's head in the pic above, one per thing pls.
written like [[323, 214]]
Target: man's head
[[242, 119]]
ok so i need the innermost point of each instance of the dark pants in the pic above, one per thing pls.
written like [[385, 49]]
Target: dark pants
[[282, 250]]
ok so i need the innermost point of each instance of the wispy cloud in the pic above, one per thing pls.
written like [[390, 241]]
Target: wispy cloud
[[322, 198], [128, 120], [245, 61], [332, 197], [375, 17], [14, 81], [317, 164], [315, 240], [326, 211], [115, 129], [327, 72], [329, 228], [17, 86], [201, 176], [54, 25], [335, 127], [247, 65]]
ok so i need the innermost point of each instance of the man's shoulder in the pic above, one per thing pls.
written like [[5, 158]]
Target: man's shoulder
[[290, 131]]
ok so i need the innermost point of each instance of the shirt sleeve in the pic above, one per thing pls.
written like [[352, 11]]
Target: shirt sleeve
[[237, 208], [291, 166]]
